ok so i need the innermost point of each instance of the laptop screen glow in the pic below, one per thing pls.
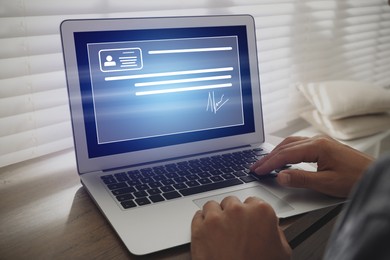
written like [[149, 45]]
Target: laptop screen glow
[[145, 89]]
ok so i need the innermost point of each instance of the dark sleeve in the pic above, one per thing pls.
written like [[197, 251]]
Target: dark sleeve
[[363, 229]]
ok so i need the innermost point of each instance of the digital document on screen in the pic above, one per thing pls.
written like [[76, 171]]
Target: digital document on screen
[[153, 88]]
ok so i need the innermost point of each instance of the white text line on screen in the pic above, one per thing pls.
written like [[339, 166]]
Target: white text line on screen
[[175, 90], [178, 81], [166, 74], [190, 50]]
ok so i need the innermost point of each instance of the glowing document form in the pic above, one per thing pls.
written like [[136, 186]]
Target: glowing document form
[[163, 87]]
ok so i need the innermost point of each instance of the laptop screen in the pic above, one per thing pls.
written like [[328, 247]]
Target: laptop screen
[[150, 88]]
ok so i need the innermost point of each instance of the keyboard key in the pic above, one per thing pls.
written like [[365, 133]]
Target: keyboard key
[[204, 174], [239, 173], [154, 191], [184, 167], [180, 179], [156, 184], [195, 170], [147, 172], [124, 197], [142, 201], [265, 176], [226, 170], [192, 183], [205, 160], [140, 194], [183, 173], [142, 187], [179, 186], [248, 166], [216, 172], [171, 175], [209, 187], [159, 171], [204, 181], [192, 177], [251, 161], [168, 182], [134, 175], [206, 169], [116, 186], [109, 180], [128, 204], [147, 180], [216, 178], [121, 177], [218, 165], [228, 176], [159, 177], [171, 168], [156, 198], [171, 195], [104, 177], [123, 191], [238, 167], [248, 178], [133, 182], [259, 152], [167, 188]]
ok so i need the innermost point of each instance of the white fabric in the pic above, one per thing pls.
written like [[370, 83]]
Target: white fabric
[[339, 99], [348, 128]]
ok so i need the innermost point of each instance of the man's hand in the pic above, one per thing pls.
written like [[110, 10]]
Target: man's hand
[[339, 166], [236, 230]]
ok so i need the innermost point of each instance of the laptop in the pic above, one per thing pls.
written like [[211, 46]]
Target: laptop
[[166, 115]]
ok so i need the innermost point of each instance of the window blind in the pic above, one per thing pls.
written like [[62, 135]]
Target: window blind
[[298, 40]]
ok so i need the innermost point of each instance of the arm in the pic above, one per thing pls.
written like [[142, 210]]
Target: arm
[[363, 229], [339, 166], [236, 230]]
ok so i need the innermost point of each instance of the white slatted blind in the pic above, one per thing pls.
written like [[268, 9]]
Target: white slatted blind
[[298, 40]]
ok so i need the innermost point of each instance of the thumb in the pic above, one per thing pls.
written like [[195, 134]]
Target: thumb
[[296, 178]]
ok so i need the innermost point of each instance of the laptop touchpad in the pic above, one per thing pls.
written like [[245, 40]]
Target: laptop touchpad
[[278, 205]]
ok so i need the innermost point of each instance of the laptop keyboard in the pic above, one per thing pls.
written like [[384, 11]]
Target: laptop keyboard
[[152, 185]]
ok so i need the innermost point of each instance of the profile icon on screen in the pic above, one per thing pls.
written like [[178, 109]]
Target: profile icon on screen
[[109, 62], [120, 59]]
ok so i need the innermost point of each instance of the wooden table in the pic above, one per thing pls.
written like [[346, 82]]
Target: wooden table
[[45, 213]]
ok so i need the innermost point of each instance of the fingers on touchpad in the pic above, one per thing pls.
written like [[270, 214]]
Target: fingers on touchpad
[[278, 204]]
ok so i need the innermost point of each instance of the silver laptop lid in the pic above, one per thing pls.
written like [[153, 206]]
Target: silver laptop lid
[[150, 89]]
